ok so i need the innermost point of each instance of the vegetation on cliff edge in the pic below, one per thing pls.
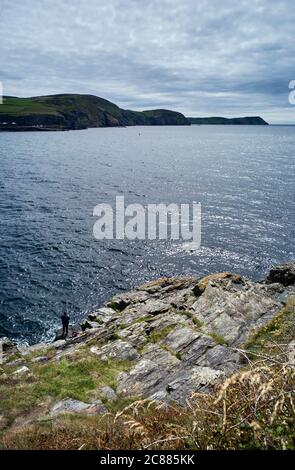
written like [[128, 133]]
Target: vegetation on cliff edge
[[252, 409]]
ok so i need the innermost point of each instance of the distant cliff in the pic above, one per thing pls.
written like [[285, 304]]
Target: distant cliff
[[73, 111], [249, 120]]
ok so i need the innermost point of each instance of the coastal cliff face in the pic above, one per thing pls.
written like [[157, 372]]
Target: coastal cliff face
[[248, 120], [73, 111], [165, 341], [67, 111]]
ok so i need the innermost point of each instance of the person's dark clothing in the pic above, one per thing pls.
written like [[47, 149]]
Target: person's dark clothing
[[65, 325]]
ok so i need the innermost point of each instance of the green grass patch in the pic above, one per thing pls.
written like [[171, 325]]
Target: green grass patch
[[48, 351], [198, 323], [157, 336], [13, 356], [218, 339], [170, 351], [25, 106], [280, 329], [115, 336], [76, 379], [143, 319]]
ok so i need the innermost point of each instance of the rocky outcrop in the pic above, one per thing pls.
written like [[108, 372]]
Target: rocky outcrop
[[284, 274], [7, 346], [168, 338], [69, 405]]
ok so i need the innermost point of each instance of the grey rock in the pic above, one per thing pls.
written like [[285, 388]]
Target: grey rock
[[100, 316], [141, 380], [68, 351], [193, 352], [92, 317], [137, 296], [161, 395], [180, 338], [153, 307], [118, 350], [188, 381], [150, 308], [226, 326], [167, 285], [135, 334], [215, 357], [153, 287], [69, 405], [59, 344], [87, 324], [130, 316], [97, 407], [170, 380], [162, 321], [107, 393], [284, 296], [26, 350], [119, 303], [39, 359], [21, 371], [221, 358], [182, 300], [137, 328], [227, 311], [16, 362], [149, 374], [156, 353], [106, 311]]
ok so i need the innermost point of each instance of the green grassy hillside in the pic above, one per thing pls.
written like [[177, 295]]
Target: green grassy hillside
[[69, 111]]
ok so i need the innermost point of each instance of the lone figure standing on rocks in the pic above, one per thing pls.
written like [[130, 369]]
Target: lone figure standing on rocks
[[65, 324]]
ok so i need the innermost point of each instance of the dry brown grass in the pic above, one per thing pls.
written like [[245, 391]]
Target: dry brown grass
[[253, 409]]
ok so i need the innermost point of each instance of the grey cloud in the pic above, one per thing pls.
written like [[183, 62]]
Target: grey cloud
[[200, 57]]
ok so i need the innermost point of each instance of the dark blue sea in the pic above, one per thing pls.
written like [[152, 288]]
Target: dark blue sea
[[50, 182]]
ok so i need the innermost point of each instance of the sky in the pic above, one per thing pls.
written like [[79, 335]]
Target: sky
[[200, 57]]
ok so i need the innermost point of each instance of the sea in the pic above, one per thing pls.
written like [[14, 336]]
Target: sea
[[50, 182]]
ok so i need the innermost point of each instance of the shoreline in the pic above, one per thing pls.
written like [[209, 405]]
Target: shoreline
[[160, 347], [55, 331], [80, 327]]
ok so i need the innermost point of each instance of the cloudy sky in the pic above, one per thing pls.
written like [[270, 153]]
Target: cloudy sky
[[200, 57]]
